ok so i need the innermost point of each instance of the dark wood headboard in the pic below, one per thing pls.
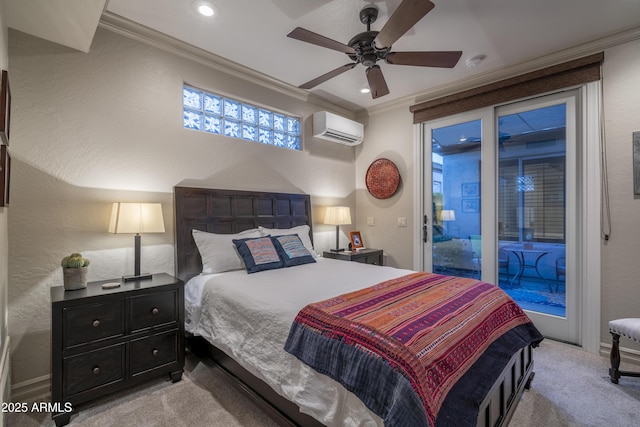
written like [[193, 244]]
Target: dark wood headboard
[[229, 212]]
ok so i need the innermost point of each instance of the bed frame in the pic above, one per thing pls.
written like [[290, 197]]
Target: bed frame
[[232, 211]]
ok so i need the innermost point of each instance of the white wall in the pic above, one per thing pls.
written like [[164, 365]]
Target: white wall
[[91, 129], [620, 255], [388, 135]]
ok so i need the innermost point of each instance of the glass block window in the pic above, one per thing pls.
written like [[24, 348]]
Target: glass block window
[[220, 115]]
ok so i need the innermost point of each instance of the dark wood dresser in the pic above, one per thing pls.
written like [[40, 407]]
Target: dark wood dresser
[[104, 340]]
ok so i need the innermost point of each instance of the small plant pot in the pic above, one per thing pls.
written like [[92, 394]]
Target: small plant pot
[[75, 278]]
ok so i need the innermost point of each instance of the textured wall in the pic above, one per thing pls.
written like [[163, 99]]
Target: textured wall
[[620, 266], [91, 129], [389, 135]]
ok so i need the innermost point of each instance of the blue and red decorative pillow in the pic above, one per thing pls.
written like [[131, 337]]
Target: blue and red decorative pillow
[[258, 254], [268, 253], [292, 251]]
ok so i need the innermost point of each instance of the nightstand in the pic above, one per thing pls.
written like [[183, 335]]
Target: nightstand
[[366, 256], [104, 340]]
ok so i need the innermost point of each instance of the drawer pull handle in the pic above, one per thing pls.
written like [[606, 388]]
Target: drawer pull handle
[[96, 370], [96, 323], [155, 352], [155, 310]]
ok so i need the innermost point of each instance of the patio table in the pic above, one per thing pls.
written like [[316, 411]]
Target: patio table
[[534, 256]]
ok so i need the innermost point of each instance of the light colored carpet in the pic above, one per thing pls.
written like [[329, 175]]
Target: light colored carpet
[[204, 397], [571, 388]]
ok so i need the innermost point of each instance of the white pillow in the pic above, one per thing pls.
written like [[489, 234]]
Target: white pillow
[[301, 230], [218, 252]]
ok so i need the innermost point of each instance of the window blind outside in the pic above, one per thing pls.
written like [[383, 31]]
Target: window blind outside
[[531, 200], [508, 201], [561, 76], [545, 202]]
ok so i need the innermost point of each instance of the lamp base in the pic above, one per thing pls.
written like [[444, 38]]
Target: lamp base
[[144, 276], [337, 250]]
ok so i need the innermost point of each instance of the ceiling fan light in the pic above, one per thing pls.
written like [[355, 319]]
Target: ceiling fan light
[[364, 48], [475, 61]]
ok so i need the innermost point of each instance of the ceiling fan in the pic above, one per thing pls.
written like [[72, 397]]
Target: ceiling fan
[[369, 47]]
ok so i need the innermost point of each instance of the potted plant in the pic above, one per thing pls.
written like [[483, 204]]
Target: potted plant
[[74, 270]]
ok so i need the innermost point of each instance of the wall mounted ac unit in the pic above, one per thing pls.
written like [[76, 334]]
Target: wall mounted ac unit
[[335, 128]]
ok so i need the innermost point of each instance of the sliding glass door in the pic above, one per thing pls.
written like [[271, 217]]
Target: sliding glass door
[[500, 204], [455, 198], [537, 214]]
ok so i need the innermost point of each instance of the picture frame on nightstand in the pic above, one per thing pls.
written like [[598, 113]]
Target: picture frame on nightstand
[[356, 240]]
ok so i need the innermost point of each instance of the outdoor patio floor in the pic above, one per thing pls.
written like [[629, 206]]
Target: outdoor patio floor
[[531, 293], [534, 295]]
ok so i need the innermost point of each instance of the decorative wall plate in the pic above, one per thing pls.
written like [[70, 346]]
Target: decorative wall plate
[[382, 178]]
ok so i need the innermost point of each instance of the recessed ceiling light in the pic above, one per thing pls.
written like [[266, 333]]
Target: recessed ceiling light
[[203, 8], [365, 90]]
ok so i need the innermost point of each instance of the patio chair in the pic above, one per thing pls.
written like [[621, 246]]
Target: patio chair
[[561, 269], [476, 248], [628, 328], [503, 262]]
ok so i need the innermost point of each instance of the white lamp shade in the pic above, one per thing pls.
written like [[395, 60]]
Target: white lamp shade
[[448, 215], [338, 215], [136, 218]]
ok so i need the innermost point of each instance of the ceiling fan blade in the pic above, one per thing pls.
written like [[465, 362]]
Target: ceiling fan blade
[[314, 38], [406, 16], [323, 78], [444, 59], [377, 83]]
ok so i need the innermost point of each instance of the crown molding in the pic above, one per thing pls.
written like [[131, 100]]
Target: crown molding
[[493, 76], [151, 37], [143, 34]]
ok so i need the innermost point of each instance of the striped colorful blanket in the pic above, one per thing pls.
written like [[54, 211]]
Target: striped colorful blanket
[[403, 345]]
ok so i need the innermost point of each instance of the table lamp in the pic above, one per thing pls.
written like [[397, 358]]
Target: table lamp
[[447, 215], [338, 215], [136, 218]]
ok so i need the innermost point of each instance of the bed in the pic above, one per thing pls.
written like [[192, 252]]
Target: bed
[[251, 352]]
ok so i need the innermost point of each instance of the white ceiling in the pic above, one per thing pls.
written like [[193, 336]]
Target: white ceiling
[[70, 23], [252, 33]]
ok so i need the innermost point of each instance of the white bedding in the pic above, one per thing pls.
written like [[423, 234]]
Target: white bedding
[[248, 316]]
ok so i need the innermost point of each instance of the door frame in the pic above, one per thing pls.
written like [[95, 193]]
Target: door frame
[[588, 271], [568, 327]]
